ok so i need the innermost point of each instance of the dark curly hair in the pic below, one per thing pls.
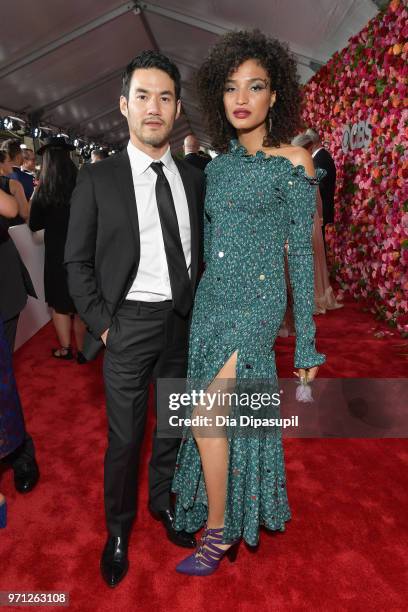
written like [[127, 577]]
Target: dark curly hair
[[224, 58]]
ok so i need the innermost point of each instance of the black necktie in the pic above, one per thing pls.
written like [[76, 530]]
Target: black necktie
[[176, 262]]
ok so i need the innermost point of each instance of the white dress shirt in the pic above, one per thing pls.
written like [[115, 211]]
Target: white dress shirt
[[152, 283]]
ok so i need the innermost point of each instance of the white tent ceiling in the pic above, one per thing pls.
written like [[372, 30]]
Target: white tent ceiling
[[61, 61]]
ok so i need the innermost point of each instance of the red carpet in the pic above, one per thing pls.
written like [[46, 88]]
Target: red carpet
[[344, 549]]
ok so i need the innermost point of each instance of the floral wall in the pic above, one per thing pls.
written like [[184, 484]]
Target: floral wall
[[359, 104]]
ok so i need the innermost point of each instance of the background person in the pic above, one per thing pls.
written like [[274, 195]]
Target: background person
[[11, 417], [327, 186], [15, 286], [27, 176], [323, 295], [50, 208], [324, 298], [11, 185], [192, 153]]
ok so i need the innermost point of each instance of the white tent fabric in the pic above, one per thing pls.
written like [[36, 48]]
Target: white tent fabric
[[60, 62]]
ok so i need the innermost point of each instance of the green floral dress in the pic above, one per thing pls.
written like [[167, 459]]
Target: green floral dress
[[254, 204]]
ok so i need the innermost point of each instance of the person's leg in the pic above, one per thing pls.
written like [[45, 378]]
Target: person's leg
[[213, 448], [171, 364], [22, 460], [63, 325], [133, 346], [3, 511], [126, 371], [10, 330], [79, 332], [214, 454], [23, 454]]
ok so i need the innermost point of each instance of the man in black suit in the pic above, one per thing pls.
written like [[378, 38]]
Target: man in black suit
[[327, 186], [192, 153], [16, 286], [132, 254]]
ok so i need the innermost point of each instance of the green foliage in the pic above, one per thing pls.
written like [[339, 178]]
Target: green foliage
[[380, 85], [351, 188]]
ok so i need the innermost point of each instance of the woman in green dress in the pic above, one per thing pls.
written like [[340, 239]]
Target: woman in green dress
[[261, 192]]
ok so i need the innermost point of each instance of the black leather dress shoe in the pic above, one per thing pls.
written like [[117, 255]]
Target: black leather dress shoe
[[114, 560], [81, 359], [180, 538], [26, 476]]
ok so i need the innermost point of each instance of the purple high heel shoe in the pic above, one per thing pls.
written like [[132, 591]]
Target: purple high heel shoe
[[207, 557]]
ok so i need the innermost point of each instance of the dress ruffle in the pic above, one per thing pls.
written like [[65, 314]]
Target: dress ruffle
[[301, 171], [236, 148]]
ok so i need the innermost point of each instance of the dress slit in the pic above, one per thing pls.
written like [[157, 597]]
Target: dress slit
[[217, 375]]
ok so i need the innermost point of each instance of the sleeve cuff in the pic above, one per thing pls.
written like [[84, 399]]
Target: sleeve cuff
[[308, 359]]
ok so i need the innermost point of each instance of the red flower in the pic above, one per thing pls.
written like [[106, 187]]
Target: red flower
[[403, 319]]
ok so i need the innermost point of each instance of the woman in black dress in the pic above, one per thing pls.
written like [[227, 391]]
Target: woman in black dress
[[50, 207]]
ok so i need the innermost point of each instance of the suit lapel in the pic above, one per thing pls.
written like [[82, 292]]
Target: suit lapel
[[124, 179], [193, 208]]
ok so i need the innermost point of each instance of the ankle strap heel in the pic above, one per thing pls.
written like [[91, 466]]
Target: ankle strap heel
[[207, 557]]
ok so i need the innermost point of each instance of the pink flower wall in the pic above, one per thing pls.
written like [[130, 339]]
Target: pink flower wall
[[359, 104]]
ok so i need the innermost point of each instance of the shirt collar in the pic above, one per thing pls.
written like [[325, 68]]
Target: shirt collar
[[140, 161]]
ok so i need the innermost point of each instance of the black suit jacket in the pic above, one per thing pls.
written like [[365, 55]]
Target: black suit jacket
[[102, 250], [199, 161], [327, 185]]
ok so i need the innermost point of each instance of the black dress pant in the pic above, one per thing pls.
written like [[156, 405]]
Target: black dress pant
[[25, 453], [145, 339]]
